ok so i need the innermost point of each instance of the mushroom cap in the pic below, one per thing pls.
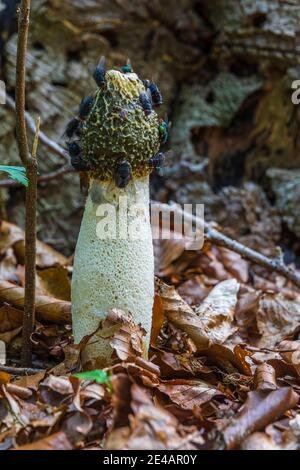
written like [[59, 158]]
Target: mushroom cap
[[117, 128]]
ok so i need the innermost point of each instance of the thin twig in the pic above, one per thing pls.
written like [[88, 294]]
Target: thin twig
[[20, 370], [272, 264], [31, 192], [30, 253], [20, 80], [219, 239], [43, 138]]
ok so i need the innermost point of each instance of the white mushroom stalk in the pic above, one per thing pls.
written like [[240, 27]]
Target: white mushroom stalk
[[115, 140], [113, 266]]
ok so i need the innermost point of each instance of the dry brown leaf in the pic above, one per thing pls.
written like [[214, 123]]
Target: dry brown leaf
[[166, 252], [291, 437], [246, 308], [54, 282], [211, 321], [8, 265], [127, 340], [291, 353], [121, 399], [265, 377], [259, 410], [181, 314], [277, 318], [229, 360], [57, 441], [194, 290], [234, 264], [30, 381], [21, 392], [71, 360], [259, 441], [13, 236], [8, 336], [77, 424], [158, 318], [188, 394], [47, 308], [54, 390], [217, 310], [151, 427], [46, 256], [10, 318], [9, 235], [4, 378]]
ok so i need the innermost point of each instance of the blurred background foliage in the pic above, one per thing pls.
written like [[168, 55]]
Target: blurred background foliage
[[225, 69]]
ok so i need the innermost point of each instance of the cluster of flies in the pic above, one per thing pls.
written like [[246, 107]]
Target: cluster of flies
[[152, 98]]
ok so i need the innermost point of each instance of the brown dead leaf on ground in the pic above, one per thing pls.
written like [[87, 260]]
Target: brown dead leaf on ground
[[57, 441], [150, 426], [259, 441], [217, 310], [265, 377], [260, 409], [158, 318], [210, 322], [188, 394], [8, 263], [127, 341], [290, 353], [194, 290], [47, 308], [12, 236], [277, 318], [54, 282], [181, 314], [10, 318], [223, 363]]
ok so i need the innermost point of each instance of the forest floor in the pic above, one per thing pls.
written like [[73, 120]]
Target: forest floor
[[223, 369]]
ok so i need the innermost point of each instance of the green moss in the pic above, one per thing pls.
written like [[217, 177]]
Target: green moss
[[117, 128]]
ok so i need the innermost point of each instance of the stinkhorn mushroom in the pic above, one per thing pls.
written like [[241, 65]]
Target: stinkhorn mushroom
[[116, 141]]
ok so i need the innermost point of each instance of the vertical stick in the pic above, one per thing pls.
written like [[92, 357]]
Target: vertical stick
[[31, 192], [30, 261], [30, 252], [24, 13]]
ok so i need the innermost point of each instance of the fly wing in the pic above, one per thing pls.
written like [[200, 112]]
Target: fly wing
[[102, 61]]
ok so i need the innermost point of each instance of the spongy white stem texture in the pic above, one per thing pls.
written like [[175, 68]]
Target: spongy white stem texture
[[113, 265]]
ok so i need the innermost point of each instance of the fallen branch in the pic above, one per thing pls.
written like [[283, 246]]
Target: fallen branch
[[41, 179], [217, 238], [272, 264], [43, 138], [20, 370]]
